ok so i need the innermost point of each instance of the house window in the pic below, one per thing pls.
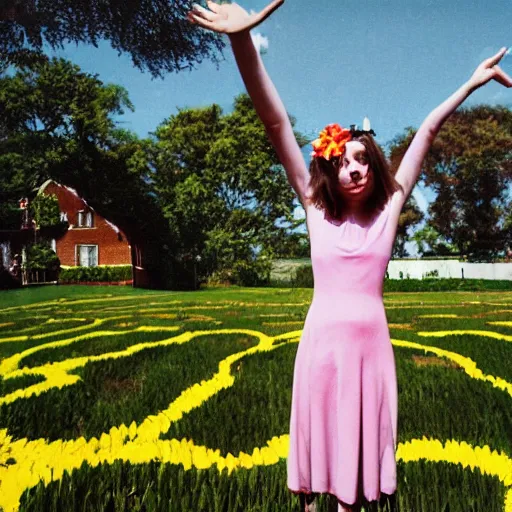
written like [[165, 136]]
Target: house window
[[85, 219], [87, 255], [138, 257]]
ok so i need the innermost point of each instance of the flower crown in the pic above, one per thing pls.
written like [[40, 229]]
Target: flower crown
[[333, 138]]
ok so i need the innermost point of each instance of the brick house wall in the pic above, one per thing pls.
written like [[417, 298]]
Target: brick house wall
[[102, 242]]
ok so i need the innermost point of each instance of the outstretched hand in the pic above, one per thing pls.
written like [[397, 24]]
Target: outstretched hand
[[229, 18], [489, 70]]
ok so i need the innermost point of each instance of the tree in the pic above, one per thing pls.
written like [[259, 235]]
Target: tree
[[291, 245], [58, 123], [410, 216], [470, 167], [221, 185], [431, 243], [156, 34]]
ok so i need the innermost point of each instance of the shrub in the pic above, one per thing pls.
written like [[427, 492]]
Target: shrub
[[243, 273], [303, 278], [104, 274], [41, 257]]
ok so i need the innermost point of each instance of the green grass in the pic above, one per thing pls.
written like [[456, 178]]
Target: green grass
[[437, 399]]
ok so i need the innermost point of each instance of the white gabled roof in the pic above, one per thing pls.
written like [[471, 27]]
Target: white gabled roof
[[75, 193]]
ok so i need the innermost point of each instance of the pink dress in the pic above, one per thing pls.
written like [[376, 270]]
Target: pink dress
[[343, 426]]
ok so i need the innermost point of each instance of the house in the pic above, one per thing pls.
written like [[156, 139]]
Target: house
[[90, 240]]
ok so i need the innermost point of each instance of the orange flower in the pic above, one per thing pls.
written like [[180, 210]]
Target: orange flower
[[331, 142]]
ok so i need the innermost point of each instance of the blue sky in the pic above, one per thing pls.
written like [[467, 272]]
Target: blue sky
[[391, 60]]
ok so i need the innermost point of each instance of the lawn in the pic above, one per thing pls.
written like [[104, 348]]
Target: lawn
[[113, 398]]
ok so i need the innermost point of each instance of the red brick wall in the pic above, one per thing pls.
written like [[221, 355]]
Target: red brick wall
[[113, 248]]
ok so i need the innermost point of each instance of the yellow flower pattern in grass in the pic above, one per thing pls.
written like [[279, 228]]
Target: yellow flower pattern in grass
[[488, 334], [32, 461], [466, 363], [506, 324], [51, 321], [426, 306], [277, 324], [66, 302], [9, 364], [407, 327], [96, 323], [57, 374], [440, 315], [39, 460]]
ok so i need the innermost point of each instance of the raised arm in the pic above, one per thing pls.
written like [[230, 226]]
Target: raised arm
[[236, 22], [410, 167]]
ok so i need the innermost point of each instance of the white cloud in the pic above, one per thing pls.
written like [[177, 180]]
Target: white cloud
[[412, 249], [299, 213], [420, 199], [260, 42]]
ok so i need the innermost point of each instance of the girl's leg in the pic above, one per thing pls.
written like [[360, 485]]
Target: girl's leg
[[307, 502], [338, 506], [353, 508]]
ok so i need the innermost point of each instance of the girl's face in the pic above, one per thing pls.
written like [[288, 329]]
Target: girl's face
[[355, 176]]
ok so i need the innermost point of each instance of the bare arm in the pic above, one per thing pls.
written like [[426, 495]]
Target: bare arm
[[410, 167], [271, 111], [262, 91]]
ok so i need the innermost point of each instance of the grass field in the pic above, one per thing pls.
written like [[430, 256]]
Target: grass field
[[121, 399]]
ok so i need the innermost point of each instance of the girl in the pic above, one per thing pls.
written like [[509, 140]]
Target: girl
[[343, 426]]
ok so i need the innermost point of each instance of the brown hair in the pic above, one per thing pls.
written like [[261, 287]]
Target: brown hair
[[324, 181]]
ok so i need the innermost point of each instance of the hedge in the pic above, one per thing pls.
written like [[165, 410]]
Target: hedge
[[106, 274]]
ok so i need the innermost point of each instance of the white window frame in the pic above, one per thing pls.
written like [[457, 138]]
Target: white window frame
[[85, 219], [77, 253]]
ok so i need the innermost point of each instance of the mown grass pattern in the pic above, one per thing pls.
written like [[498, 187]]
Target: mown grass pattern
[[238, 427]]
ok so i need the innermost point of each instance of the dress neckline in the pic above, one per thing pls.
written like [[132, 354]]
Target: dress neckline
[[351, 219], [350, 225]]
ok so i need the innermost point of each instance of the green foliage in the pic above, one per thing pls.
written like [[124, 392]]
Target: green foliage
[[410, 216], [118, 391], [157, 487], [260, 378], [10, 216], [59, 124], [291, 245], [222, 190], [470, 169], [24, 381], [431, 243], [444, 284], [303, 278], [436, 401], [44, 209], [254, 272], [156, 35], [40, 256], [103, 274]]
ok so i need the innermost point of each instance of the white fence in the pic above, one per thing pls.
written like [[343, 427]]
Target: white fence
[[419, 269], [415, 269]]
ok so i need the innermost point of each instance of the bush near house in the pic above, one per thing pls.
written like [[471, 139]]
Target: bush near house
[[102, 274]]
